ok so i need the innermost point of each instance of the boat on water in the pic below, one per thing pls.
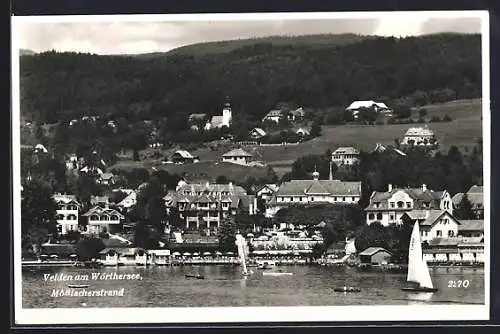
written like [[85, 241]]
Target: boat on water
[[240, 242], [276, 273], [78, 286], [347, 289], [194, 276], [418, 278], [266, 264]]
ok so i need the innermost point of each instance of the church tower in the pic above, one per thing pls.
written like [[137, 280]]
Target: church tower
[[227, 113]]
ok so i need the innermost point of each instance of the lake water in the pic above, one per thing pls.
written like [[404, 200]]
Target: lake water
[[223, 286]]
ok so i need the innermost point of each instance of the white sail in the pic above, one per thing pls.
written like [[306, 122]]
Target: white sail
[[417, 266], [240, 242]]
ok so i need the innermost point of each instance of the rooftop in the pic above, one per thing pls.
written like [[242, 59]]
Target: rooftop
[[373, 250], [237, 153], [330, 187], [366, 104], [346, 150]]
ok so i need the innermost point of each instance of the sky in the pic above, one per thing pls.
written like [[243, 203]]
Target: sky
[[126, 37]]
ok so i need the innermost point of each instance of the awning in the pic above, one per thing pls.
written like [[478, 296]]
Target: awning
[[73, 255], [176, 254], [196, 254], [186, 254], [207, 253]]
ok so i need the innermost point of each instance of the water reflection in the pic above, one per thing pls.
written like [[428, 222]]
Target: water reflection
[[225, 286]]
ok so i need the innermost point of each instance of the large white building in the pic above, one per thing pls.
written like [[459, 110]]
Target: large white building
[[202, 206], [314, 191], [387, 207], [345, 156], [421, 135], [67, 208]]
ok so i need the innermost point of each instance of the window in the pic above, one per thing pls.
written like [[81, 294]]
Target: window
[[376, 204], [291, 199], [408, 204], [300, 199], [94, 217], [282, 199], [59, 228], [114, 217], [400, 204], [393, 204], [439, 233], [335, 198], [71, 217], [371, 216], [379, 216], [391, 217], [451, 234], [312, 199], [353, 199], [343, 199]]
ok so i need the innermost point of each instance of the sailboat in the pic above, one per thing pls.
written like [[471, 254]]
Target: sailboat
[[418, 272], [240, 242]]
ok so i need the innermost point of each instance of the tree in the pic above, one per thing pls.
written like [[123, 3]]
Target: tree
[[373, 235], [227, 235], [38, 216], [156, 212], [422, 112], [221, 179], [88, 248], [402, 111], [447, 118], [135, 155], [464, 209], [315, 129]]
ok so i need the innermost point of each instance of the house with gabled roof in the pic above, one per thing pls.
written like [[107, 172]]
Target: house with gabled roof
[[106, 179], [237, 156], [387, 207], [183, 156], [472, 228], [267, 191], [315, 191], [67, 208], [257, 133], [202, 206], [419, 136], [433, 223], [345, 156], [102, 220]]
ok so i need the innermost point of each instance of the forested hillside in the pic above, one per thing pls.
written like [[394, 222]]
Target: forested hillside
[[57, 86]]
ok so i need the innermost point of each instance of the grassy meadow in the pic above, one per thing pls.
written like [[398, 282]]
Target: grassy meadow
[[462, 132]]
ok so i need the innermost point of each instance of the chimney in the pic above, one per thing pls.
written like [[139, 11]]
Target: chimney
[[331, 172], [389, 187], [424, 187]]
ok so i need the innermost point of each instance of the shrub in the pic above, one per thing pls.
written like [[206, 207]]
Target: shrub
[[447, 118], [435, 119]]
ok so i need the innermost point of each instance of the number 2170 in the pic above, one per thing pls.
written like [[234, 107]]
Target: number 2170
[[459, 284]]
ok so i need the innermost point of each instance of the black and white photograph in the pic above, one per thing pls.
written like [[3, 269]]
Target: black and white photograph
[[194, 168]]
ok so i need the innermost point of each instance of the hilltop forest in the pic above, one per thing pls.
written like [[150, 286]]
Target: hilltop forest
[[165, 88]]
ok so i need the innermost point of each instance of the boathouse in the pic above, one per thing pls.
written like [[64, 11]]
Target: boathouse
[[375, 256]]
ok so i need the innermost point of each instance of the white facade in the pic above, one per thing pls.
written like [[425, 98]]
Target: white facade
[[67, 216], [100, 220], [418, 136], [388, 208], [345, 156], [241, 160], [444, 227]]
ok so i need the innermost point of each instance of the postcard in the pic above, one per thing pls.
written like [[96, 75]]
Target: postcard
[[271, 167]]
